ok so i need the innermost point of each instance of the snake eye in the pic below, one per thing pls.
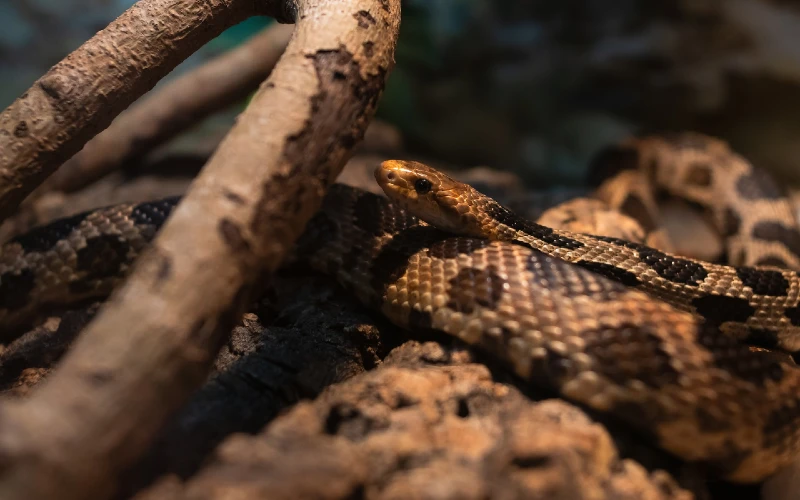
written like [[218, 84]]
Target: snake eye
[[422, 186]]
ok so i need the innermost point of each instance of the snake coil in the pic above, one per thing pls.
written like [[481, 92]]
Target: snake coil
[[654, 339]]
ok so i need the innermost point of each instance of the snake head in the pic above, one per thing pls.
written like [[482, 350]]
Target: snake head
[[430, 195]]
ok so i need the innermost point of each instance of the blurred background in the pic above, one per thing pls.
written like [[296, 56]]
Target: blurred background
[[532, 87]]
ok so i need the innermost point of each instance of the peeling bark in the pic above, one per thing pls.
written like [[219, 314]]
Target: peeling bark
[[153, 343]]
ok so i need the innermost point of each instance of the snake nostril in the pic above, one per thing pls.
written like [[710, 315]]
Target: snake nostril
[[390, 176]]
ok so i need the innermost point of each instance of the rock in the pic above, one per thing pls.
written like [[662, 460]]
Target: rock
[[427, 423]]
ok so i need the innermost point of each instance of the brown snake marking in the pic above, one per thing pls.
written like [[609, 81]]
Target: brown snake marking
[[694, 391], [746, 302], [749, 210], [697, 393]]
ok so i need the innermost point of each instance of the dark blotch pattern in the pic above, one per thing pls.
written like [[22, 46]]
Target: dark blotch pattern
[[758, 337], [717, 309], [764, 282], [619, 242], [154, 213], [391, 262], [699, 174], [774, 231], [551, 372], [610, 271], [371, 215], [793, 313], [42, 239], [733, 458], [731, 223], [672, 268], [320, 230], [367, 213], [630, 352], [351, 259], [420, 319], [758, 185], [15, 288], [473, 288], [453, 247], [569, 280], [504, 216], [103, 257], [737, 359]]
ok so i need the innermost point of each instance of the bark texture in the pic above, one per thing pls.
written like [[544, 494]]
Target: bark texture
[[153, 343], [428, 423], [172, 109], [80, 96]]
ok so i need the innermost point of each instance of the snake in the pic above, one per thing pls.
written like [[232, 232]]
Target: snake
[[657, 341]]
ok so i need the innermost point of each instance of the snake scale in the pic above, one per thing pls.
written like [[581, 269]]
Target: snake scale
[[650, 338]]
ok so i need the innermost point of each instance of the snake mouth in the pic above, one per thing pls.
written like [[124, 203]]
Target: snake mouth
[[412, 186], [395, 185], [387, 174]]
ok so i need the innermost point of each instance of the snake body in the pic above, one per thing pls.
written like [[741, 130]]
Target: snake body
[[758, 304], [749, 210], [571, 312]]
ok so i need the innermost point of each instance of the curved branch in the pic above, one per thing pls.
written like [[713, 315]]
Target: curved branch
[[172, 109], [151, 344], [80, 96]]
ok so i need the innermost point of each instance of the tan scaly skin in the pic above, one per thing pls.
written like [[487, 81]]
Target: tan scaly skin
[[748, 303], [641, 337], [689, 389]]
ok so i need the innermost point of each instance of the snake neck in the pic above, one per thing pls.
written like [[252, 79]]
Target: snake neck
[[500, 223]]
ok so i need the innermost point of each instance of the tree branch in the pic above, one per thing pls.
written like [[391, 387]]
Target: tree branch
[[170, 110], [80, 96], [152, 343]]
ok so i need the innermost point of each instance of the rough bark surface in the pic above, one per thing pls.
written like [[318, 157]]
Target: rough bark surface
[[80, 96], [428, 423], [173, 108], [153, 343]]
